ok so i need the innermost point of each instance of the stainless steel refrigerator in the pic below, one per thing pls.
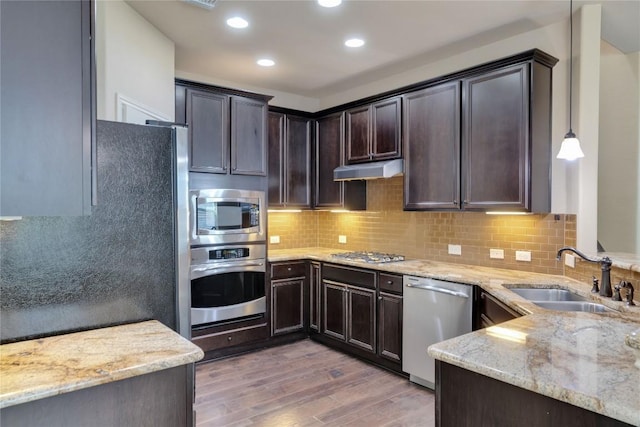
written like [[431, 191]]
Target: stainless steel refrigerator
[[128, 261]]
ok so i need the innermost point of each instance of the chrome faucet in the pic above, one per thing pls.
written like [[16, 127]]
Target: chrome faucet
[[605, 266]]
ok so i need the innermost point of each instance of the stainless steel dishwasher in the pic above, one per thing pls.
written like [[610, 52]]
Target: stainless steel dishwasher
[[433, 311]]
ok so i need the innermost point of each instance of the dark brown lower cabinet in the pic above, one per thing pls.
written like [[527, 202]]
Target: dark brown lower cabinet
[[465, 398], [287, 306], [361, 314], [349, 314], [390, 327], [361, 318], [490, 311], [315, 287]]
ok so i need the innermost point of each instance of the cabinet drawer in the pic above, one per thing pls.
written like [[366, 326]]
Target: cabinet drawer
[[493, 311], [391, 283], [288, 270], [231, 338], [352, 276]]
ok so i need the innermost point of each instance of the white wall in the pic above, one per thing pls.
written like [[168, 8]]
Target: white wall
[[280, 99], [135, 61], [619, 151]]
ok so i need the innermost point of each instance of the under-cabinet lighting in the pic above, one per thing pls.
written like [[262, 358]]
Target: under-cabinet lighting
[[10, 218], [507, 334], [507, 213], [284, 210]]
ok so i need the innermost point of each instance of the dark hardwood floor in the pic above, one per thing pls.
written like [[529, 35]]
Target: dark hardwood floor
[[306, 384]]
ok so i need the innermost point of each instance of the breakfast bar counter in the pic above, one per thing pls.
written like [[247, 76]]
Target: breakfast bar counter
[[107, 373]]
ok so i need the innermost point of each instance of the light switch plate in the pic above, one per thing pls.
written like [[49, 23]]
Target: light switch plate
[[496, 253], [455, 250], [342, 239], [523, 256], [570, 260], [274, 239]]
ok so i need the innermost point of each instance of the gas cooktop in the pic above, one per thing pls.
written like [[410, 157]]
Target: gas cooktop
[[369, 257]]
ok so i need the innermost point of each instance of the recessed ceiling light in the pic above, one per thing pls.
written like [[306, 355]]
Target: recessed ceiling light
[[266, 62], [329, 3], [354, 43], [237, 22]]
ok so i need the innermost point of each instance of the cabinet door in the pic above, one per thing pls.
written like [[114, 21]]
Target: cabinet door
[[361, 318], [47, 123], [207, 117], [386, 126], [329, 155], [495, 139], [315, 286], [358, 135], [287, 302], [248, 136], [298, 161], [334, 310], [432, 148], [276, 159], [390, 327]]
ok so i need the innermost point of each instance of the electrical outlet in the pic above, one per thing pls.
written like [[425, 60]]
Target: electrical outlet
[[523, 256], [496, 253], [274, 239], [570, 260], [455, 250], [342, 239]]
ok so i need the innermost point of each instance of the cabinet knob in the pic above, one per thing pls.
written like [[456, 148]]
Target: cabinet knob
[[380, 298], [455, 202], [288, 268], [389, 282], [229, 338]]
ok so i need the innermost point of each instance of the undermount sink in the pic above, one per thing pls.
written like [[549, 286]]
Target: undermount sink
[[560, 299], [542, 294], [590, 307]]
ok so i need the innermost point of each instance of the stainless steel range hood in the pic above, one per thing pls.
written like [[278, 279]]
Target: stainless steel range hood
[[375, 170]]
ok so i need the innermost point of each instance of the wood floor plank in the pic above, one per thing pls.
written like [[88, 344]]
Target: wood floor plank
[[306, 384]]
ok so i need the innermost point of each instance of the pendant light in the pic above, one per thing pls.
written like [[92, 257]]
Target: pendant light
[[570, 148]]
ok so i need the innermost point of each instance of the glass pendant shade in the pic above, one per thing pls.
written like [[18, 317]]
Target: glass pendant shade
[[570, 148]]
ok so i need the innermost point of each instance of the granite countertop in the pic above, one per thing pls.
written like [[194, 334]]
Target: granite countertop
[[579, 358], [496, 281], [45, 367]]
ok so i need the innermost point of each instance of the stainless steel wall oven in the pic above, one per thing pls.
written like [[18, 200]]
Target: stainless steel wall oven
[[227, 282]]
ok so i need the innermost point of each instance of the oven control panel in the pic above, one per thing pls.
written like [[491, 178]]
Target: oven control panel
[[228, 253]]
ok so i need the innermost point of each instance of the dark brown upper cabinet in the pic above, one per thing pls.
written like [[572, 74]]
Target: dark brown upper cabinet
[[329, 154], [289, 160], [373, 131], [227, 131], [432, 148], [47, 123], [482, 141]]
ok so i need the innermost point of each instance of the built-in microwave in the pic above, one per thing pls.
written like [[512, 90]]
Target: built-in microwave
[[223, 216]]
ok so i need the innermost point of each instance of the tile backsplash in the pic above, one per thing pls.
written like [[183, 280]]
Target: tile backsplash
[[385, 227]]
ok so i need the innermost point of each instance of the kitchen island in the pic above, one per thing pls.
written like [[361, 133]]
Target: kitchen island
[[575, 359], [134, 374]]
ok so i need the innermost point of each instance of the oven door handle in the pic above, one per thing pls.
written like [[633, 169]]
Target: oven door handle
[[226, 268]]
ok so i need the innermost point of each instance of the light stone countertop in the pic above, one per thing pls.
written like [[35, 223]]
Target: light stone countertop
[[45, 367], [578, 358]]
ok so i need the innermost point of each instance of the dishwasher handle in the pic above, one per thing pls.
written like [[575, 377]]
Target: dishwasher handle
[[438, 289]]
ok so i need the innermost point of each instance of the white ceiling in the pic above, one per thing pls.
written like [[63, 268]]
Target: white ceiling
[[306, 40]]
